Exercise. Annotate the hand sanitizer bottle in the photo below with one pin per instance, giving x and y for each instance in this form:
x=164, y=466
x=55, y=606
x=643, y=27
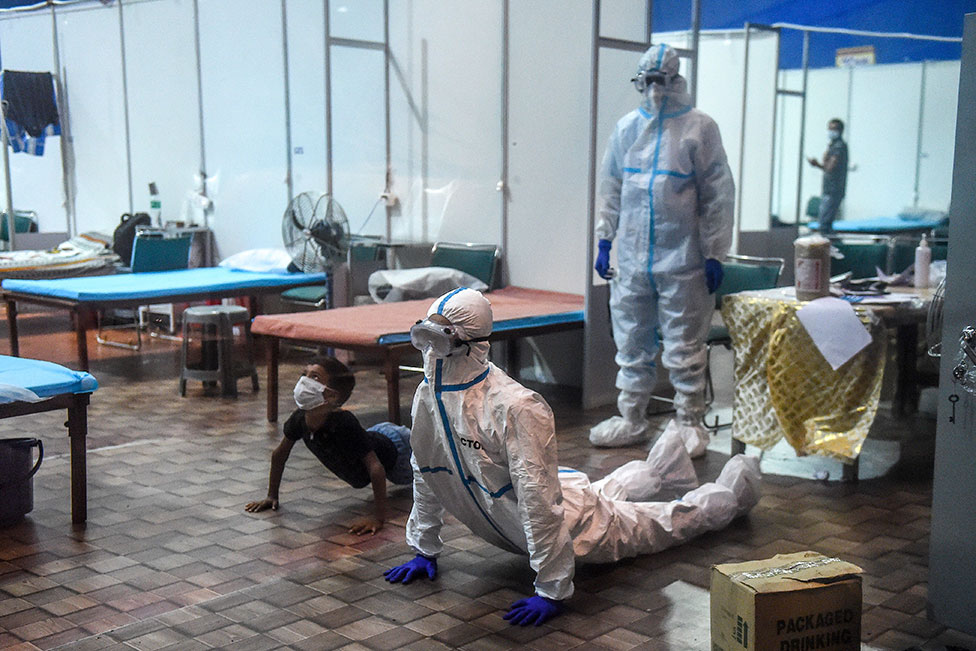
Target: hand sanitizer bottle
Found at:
x=923, y=262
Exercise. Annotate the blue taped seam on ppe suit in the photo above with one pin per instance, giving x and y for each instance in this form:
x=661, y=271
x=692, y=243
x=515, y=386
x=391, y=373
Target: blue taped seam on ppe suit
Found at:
x=484, y=449
x=667, y=199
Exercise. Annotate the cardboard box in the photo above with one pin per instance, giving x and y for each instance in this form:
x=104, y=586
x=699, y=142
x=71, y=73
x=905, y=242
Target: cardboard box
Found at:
x=791, y=602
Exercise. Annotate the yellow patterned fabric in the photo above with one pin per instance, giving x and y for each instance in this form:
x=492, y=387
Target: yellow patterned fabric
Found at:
x=785, y=388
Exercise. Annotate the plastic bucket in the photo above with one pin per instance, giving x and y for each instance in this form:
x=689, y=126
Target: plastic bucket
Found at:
x=16, y=473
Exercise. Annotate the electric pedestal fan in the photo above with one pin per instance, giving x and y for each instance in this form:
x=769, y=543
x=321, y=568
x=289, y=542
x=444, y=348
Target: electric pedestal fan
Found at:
x=316, y=235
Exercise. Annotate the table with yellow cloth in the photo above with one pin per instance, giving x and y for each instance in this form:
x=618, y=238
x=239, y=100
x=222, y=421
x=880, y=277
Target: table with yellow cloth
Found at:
x=785, y=388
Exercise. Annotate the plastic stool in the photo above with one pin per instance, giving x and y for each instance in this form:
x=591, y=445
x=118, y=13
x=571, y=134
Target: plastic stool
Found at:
x=217, y=345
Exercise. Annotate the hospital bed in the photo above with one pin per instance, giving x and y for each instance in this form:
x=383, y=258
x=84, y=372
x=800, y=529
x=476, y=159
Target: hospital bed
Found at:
x=62, y=388
x=86, y=254
x=887, y=225
x=385, y=329
x=84, y=296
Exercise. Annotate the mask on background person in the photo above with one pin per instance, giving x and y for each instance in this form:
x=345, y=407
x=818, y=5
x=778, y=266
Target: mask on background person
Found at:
x=308, y=393
x=833, y=135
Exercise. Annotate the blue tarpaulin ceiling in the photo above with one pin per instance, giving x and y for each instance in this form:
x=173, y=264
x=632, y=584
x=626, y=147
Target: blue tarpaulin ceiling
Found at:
x=927, y=17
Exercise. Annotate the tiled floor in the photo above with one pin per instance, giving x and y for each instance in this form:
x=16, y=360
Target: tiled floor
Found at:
x=169, y=558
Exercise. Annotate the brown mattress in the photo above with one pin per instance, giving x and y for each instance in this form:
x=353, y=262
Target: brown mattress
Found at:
x=363, y=325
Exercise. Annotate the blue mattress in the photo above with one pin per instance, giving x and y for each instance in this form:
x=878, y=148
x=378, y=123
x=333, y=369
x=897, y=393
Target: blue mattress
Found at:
x=46, y=379
x=162, y=283
x=882, y=225
x=502, y=326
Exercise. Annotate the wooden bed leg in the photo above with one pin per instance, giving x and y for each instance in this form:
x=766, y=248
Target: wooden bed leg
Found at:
x=511, y=358
x=81, y=332
x=906, y=384
x=77, y=433
x=273, y=349
x=12, y=325
x=392, y=371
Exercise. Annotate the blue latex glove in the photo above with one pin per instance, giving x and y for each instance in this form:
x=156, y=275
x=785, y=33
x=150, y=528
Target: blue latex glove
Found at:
x=534, y=610
x=713, y=274
x=602, y=265
x=410, y=570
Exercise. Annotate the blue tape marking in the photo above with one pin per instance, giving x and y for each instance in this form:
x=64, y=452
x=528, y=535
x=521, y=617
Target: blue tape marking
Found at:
x=656, y=171
x=466, y=385
x=430, y=470
x=633, y=170
x=465, y=481
x=680, y=175
x=440, y=308
x=501, y=491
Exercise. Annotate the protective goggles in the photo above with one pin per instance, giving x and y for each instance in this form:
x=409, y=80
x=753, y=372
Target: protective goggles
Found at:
x=645, y=78
x=441, y=340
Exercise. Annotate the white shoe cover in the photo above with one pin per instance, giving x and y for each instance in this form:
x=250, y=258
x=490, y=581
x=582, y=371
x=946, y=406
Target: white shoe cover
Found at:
x=694, y=436
x=669, y=460
x=741, y=475
x=616, y=432
x=666, y=473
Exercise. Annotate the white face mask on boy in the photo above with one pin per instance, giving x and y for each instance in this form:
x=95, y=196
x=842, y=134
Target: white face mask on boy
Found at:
x=308, y=393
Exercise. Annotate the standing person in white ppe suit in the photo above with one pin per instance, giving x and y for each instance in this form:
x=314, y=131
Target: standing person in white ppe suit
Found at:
x=484, y=450
x=666, y=195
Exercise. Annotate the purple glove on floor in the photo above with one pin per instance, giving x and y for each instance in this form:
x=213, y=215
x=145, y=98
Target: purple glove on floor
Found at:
x=407, y=572
x=533, y=610
x=713, y=274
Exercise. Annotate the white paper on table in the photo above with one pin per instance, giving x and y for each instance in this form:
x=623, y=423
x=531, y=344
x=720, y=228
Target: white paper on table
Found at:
x=835, y=329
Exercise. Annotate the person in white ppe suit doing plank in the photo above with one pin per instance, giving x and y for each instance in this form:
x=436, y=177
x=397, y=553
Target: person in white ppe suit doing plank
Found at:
x=484, y=450
x=666, y=195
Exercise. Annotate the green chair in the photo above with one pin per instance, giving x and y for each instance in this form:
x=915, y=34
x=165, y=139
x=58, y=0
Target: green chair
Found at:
x=151, y=251
x=862, y=256
x=813, y=207
x=25, y=221
x=742, y=273
x=365, y=252
x=479, y=260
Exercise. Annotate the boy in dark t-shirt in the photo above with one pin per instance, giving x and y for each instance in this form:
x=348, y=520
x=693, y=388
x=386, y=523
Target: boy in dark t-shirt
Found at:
x=356, y=456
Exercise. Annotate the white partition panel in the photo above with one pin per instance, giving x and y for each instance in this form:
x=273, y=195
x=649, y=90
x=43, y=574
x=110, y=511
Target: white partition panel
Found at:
x=548, y=144
x=306, y=80
x=786, y=162
x=938, y=134
x=164, y=123
x=882, y=139
x=359, y=141
x=26, y=43
x=92, y=76
x=622, y=19
x=361, y=20
x=753, y=182
x=450, y=56
x=244, y=116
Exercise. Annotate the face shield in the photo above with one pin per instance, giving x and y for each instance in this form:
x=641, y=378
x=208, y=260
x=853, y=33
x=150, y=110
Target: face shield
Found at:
x=645, y=78
x=657, y=66
x=441, y=340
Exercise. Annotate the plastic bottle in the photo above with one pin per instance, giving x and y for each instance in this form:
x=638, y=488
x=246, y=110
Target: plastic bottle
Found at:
x=155, y=205
x=923, y=263
x=812, y=270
